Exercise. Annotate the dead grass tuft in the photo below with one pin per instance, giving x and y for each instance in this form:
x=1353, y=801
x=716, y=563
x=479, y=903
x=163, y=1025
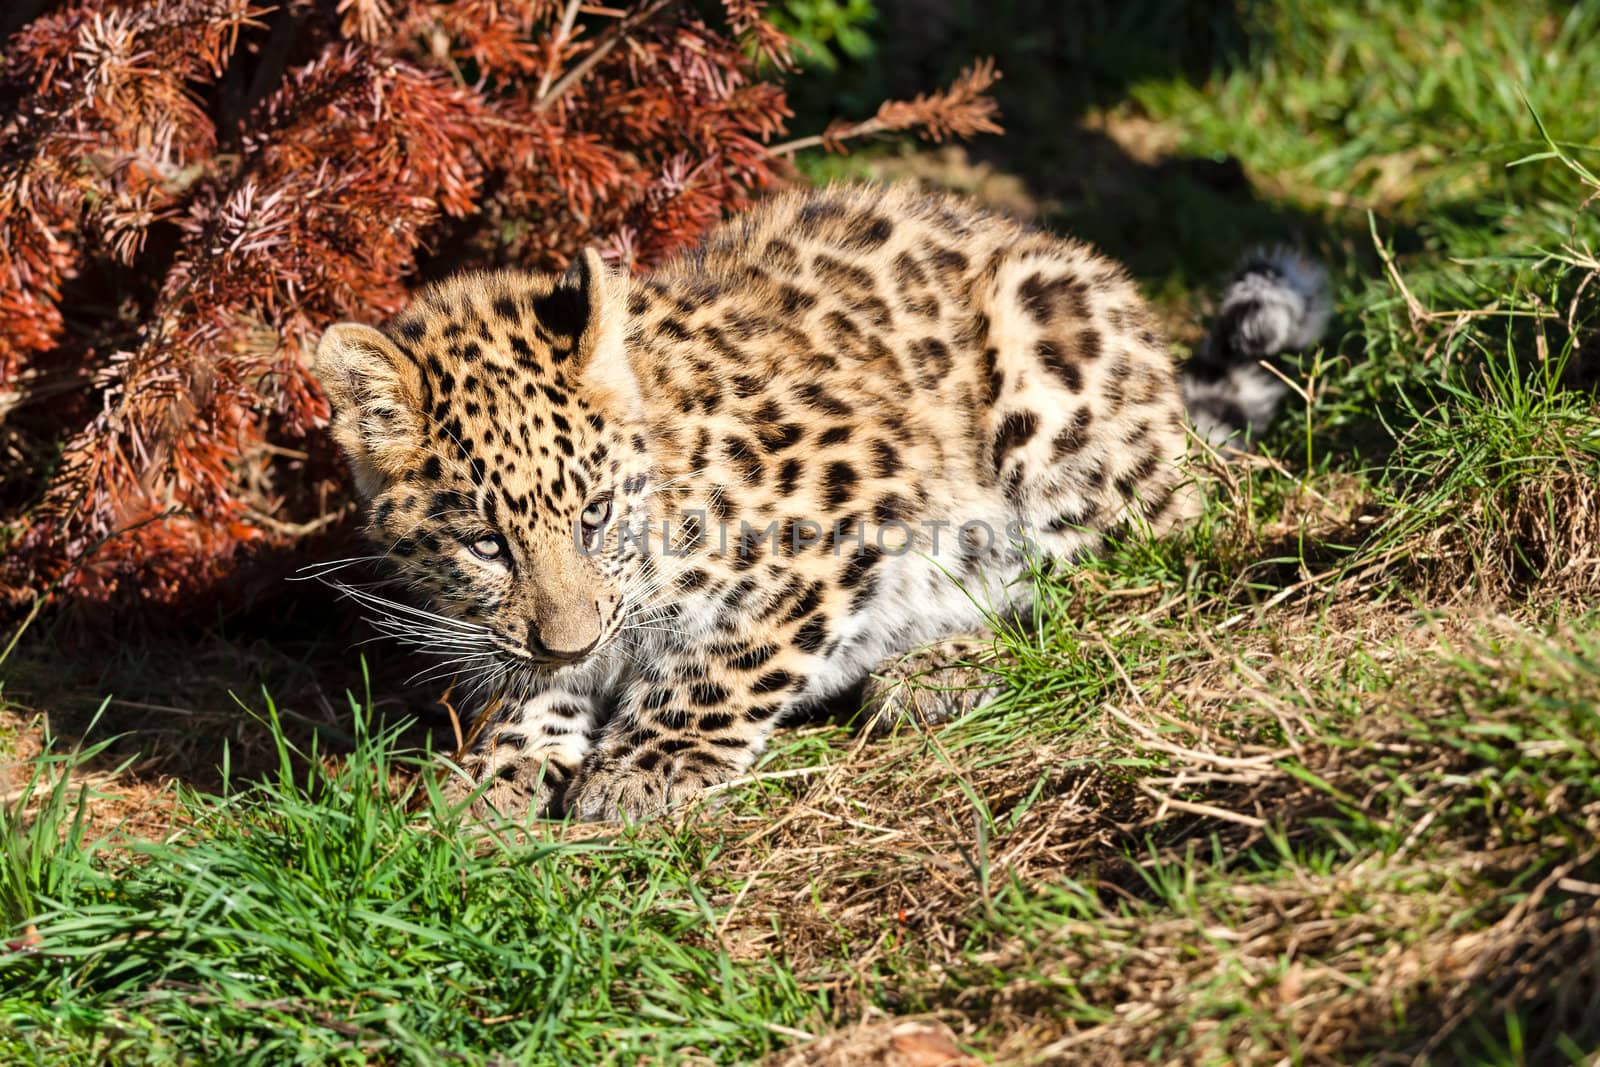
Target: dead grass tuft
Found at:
x=1536, y=539
x=885, y=1043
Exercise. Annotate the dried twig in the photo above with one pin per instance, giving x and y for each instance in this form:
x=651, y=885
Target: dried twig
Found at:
x=963, y=110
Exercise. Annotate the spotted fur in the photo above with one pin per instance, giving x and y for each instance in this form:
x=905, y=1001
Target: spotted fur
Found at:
x=896, y=399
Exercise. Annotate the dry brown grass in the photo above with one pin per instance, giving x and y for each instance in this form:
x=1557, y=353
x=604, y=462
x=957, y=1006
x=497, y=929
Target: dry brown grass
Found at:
x=870, y=883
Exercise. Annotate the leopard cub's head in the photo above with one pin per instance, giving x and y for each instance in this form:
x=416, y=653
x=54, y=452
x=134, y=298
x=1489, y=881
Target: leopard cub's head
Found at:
x=493, y=427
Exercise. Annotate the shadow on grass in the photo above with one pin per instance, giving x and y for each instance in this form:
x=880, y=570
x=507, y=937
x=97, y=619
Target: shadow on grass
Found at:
x=186, y=699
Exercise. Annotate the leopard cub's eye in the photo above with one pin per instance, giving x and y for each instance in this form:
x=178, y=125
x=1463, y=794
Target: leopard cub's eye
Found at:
x=596, y=512
x=492, y=547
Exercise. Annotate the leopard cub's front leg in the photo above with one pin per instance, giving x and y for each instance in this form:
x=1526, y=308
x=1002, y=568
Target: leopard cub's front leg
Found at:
x=692, y=720
x=528, y=754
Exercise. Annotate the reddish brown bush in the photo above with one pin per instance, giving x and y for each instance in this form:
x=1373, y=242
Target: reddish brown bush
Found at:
x=191, y=189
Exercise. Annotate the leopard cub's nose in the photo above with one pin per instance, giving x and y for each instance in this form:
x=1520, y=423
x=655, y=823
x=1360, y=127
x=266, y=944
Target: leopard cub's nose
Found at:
x=553, y=648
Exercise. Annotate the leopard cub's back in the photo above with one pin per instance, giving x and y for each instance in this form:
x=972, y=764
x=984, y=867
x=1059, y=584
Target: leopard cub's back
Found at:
x=923, y=343
x=888, y=363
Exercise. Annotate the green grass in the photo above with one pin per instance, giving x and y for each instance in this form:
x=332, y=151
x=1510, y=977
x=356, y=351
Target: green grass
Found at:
x=313, y=919
x=1315, y=781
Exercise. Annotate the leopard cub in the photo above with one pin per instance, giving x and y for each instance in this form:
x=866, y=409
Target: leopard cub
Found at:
x=652, y=517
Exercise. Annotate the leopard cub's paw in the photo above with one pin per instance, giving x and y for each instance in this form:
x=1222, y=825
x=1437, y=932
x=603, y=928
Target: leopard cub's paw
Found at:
x=644, y=784
x=930, y=686
x=613, y=790
x=516, y=788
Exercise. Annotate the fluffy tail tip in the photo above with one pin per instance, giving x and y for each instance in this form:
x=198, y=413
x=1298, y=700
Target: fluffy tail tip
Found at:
x=1279, y=301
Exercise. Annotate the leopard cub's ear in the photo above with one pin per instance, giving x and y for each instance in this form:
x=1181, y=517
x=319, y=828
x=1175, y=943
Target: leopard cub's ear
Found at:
x=375, y=390
x=601, y=347
x=588, y=280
